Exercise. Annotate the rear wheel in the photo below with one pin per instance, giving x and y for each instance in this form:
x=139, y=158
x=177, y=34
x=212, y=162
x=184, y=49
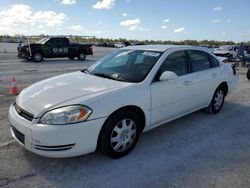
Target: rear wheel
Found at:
x=217, y=101
x=120, y=134
x=82, y=56
x=37, y=57
x=71, y=57
x=248, y=73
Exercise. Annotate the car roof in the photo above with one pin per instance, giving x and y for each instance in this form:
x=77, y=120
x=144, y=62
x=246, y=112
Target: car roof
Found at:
x=159, y=48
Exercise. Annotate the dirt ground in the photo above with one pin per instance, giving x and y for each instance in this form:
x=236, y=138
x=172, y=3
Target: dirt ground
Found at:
x=198, y=150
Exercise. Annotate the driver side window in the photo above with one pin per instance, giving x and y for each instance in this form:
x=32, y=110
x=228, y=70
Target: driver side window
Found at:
x=52, y=42
x=177, y=63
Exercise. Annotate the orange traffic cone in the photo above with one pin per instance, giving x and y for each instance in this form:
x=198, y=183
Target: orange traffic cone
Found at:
x=13, y=88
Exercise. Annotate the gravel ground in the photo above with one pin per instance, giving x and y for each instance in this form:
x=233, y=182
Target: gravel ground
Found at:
x=198, y=150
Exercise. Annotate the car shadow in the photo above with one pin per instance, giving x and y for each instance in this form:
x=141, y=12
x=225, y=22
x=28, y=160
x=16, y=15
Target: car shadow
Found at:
x=165, y=147
x=59, y=61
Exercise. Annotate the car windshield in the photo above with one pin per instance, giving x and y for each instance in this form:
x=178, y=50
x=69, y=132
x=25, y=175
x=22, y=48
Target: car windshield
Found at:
x=125, y=65
x=42, y=41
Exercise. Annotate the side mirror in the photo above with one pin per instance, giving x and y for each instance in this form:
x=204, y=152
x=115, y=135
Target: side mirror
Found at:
x=168, y=75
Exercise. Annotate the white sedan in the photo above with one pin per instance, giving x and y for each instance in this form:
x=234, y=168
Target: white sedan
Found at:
x=110, y=104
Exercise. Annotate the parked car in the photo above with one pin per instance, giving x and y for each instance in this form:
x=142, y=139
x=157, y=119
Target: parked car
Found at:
x=102, y=44
x=137, y=43
x=119, y=44
x=54, y=47
x=110, y=104
x=210, y=47
x=229, y=51
x=127, y=43
x=110, y=44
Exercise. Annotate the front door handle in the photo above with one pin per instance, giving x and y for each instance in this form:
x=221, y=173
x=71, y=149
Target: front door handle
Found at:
x=187, y=83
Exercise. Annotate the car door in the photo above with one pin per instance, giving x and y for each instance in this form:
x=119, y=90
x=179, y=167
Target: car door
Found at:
x=205, y=73
x=63, y=47
x=51, y=45
x=171, y=98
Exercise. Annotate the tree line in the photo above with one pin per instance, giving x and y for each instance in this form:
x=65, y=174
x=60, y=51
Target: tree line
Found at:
x=92, y=39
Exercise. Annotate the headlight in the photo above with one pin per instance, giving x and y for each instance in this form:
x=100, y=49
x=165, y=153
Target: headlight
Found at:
x=66, y=115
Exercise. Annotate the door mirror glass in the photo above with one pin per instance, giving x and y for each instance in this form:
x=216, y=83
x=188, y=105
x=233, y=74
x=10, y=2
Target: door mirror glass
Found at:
x=168, y=75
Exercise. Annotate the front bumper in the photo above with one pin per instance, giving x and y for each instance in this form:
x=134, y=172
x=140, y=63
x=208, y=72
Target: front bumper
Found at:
x=55, y=141
x=22, y=55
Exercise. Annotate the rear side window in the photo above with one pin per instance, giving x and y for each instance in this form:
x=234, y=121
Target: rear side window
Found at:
x=214, y=62
x=199, y=60
x=177, y=63
x=63, y=42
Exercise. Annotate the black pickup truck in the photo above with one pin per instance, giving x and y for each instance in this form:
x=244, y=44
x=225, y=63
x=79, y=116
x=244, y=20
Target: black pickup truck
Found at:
x=54, y=47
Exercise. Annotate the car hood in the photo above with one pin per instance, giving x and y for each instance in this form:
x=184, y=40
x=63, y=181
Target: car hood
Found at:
x=56, y=91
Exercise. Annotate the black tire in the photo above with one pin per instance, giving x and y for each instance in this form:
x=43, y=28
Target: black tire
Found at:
x=217, y=101
x=81, y=56
x=37, y=57
x=248, y=74
x=115, y=144
x=71, y=57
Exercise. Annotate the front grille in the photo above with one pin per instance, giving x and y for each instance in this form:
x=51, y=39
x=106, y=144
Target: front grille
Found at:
x=23, y=113
x=54, y=148
x=18, y=135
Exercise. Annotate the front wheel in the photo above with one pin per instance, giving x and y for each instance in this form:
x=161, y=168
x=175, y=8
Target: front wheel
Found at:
x=120, y=134
x=248, y=74
x=82, y=56
x=217, y=101
x=37, y=57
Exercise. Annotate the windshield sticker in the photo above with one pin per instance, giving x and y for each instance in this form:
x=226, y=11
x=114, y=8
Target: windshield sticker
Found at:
x=152, y=54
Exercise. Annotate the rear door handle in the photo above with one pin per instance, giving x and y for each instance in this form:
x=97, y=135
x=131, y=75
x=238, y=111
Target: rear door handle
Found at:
x=187, y=83
x=214, y=75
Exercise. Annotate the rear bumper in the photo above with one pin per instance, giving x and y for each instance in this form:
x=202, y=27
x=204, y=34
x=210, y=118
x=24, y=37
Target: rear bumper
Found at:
x=89, y=51
x=55, y=141
x=232, y=83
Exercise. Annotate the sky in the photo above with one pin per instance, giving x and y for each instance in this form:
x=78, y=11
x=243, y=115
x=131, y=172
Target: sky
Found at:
x=131, y=19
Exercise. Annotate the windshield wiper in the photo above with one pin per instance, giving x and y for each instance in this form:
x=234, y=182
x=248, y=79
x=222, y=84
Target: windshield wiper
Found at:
x=86, y=71
x=108, y=76
x=104, y=76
